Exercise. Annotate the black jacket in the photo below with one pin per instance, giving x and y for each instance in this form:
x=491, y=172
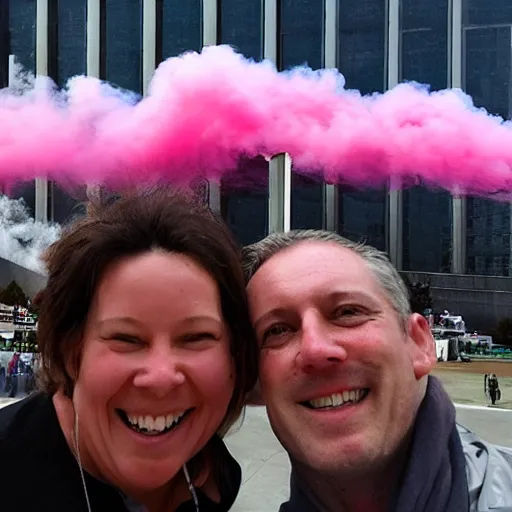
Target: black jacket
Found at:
x=38, y=472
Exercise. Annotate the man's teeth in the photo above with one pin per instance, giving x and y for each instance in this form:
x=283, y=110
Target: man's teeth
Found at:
x=337, y=399
x=154, y=423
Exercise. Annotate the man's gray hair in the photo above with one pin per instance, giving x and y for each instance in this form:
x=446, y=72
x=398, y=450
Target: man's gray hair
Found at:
x=255, y=255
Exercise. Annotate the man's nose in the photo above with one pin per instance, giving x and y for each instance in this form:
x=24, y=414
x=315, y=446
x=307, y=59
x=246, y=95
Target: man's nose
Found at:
x=161, y=372
x=320, y=348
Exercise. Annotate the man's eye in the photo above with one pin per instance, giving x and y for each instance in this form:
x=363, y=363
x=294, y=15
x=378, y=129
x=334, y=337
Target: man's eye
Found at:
x=275, y=330
x=347, y=311
x=350, y=314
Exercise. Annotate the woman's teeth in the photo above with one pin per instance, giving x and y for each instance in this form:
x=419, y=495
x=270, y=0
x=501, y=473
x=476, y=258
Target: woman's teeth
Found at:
x=152, y=425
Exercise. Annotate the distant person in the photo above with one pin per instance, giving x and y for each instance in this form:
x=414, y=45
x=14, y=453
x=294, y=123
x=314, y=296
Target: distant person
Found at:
x=12, y=375
x=147, y=353
x=492, y=387
x=344, y=373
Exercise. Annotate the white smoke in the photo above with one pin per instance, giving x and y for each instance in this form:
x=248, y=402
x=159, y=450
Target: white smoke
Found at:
x=22, y=239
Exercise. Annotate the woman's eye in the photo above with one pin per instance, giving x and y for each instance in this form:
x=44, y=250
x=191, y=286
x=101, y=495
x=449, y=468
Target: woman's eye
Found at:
x=125, y=338
x=200, y=336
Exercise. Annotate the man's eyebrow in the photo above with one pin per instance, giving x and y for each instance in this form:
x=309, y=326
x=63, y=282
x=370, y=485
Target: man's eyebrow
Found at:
x=353, y=295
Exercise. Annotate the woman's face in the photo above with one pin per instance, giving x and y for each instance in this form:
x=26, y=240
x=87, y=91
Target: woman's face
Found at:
x=156, y=373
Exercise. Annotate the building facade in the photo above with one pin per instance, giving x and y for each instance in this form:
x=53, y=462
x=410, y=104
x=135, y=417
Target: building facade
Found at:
x=376, y=44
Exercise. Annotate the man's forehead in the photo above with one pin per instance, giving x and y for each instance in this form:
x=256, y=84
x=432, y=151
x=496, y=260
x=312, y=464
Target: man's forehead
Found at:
x=315, y=257
x=311, y=265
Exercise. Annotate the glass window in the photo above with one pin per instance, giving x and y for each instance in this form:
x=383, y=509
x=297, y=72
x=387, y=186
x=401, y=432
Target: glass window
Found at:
x=362, y=216
x=487, y=12
x=487, y=77
x=67, y=58
x=245, y=192
x=424, y=45
x=244, y=200
x=22, y=32
x=362, y=61
x=487, y=68
x=427, y=214
x=427, y=230
x=241, y=26
x=488, y=240
x=122, y=45
x=25, y=191
x=307, y=202
x=19, y=18
x=65, y=205
x=70, y=40
x=4, y=44
x=302, y=43
x=180, y=26
x=362, y=44
x=301, y=31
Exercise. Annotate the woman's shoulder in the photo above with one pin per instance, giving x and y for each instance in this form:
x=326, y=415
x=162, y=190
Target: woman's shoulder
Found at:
x=16, y=419
x=36, y=462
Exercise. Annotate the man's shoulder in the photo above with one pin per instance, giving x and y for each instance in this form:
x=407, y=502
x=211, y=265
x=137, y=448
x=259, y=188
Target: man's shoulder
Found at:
x=489, y=472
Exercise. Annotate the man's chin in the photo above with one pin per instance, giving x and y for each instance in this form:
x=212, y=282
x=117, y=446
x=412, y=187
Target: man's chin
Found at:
x=336, y=465
x=327, y=456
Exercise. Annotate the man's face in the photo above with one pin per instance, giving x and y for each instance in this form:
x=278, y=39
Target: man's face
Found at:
x=339, y=373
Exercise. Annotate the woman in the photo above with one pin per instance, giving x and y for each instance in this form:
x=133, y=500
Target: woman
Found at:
x=146, y=357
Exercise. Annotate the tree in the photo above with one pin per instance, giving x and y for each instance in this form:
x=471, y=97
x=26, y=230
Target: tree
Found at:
x=13, y=295
x=420, y=296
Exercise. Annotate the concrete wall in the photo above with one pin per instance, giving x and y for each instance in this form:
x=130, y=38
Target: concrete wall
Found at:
x=483, y=301
x=29, y=281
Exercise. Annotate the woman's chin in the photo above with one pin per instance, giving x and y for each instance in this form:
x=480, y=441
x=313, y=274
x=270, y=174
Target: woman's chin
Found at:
x=146, y=476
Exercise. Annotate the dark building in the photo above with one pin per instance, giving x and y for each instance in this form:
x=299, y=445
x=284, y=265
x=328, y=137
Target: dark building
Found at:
x=375, y=43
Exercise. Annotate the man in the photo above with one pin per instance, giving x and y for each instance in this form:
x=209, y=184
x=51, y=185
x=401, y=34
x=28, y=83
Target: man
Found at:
x=345, y=378
x=492, y=387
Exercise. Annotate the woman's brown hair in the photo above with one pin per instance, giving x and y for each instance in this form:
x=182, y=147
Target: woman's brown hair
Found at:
x=157, y=219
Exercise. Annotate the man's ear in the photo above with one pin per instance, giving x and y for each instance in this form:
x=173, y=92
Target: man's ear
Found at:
x=255, y=396
x=423, y=349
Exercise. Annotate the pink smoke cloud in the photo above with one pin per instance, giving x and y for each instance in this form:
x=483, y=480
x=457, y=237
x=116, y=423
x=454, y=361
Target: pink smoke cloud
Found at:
x=206, y=111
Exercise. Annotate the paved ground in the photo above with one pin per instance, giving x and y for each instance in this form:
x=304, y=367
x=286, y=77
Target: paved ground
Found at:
x=465, y=381
x=501, y=368
x=6, y=401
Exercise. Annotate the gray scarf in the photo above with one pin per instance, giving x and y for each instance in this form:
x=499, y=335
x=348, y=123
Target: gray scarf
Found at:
x=435, y=477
